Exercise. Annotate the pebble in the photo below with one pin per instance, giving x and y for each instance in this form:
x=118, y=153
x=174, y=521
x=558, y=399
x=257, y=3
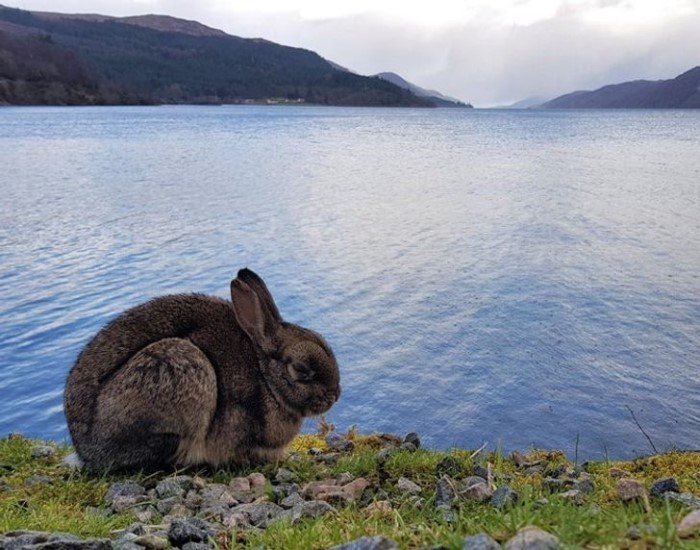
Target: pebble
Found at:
x=413, y=439
x=630, y=489
x=309, y=509
x=43, y=451
x=196, y=546
x=585, y=485
x=291, y=500
x=405, y=485
x=174, y=486
x=152, y=542
x=481, y=541
x=445, y=491
x=532, y=538
x=478, y=492
x=687, y=499
x=664, y=485
x=285, y=476
x=368, y=543
x=259, y=514
x=126, y=488
x=182, y=531
x=27, y=540
x=690, y=524
x=37, y=479
x=504, y=496
x=637, y=532
x=338, y=442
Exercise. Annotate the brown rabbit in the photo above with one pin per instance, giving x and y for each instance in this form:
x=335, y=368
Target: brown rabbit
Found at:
x=191, y=380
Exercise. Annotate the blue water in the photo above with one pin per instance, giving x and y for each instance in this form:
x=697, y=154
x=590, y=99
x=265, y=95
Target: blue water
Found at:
x=484, y=276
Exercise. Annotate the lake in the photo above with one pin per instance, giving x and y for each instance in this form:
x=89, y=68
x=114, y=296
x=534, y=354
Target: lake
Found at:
x=516, y=278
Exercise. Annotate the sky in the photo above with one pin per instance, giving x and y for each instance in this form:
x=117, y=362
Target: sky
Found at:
x=487, y=52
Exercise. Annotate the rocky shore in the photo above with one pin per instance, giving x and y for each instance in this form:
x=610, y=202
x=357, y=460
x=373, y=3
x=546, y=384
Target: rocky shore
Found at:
x=353, y=492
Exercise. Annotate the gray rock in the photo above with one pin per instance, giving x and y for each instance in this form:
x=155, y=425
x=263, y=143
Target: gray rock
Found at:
x=408, y=446
x=504, y=496
x=259, y=514
x=152, y=542
x=122, y=544
x=286, y=476
x=478, y=492
x=90, y=544
x=630, y=489
x=338, y=442
x=328, y=458
x=585, y=486
x=384, y=453
x=182, y=531
x=217, y=494
x=481, y=471
x=445, y=491
x=164, y=506
x=43, y=451
x=687, y=499
x=308, y=509
x=637, y=532
x=214, y=513
x=664, y=485
x=405, y=485
x=37, y=479
x=196, y=546
x=119, y=504
x=472, y=480
x=35, y=540
x=344, y=478
x=72, y=461
x=145, y=515
x=126, y=488
x=690, y=524
x=291, y=500
x=532, y=538
x=369, y=543
x=136, y=528
x=413, y=439
x=174, y=486
x=480, y=542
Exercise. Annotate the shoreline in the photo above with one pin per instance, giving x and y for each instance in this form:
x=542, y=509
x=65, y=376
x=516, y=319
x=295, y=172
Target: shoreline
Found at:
x=334, y=488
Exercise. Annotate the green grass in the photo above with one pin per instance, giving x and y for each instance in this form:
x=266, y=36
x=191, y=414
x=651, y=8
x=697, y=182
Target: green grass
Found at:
x=601, y=521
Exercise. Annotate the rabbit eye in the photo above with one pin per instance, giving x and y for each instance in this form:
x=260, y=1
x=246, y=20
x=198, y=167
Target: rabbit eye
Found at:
x=303, y=373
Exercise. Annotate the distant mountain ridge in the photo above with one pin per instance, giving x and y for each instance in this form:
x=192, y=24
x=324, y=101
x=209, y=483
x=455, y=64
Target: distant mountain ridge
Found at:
x=681, y=92
x=436, y=97
x=78, y=59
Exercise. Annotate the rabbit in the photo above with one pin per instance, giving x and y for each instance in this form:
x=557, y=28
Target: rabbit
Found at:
x=193, y=380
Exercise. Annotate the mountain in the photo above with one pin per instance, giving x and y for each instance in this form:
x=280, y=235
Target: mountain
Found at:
x=682, y=92
x=75, y=59
x=527, y=103
x=438, y=99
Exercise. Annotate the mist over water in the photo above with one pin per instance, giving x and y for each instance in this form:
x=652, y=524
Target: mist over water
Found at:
x=483, y=276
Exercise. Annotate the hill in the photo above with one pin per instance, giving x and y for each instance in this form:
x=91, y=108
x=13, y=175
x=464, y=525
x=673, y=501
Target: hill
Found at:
x=438, y=99
x=50, y=58
x=682, y=92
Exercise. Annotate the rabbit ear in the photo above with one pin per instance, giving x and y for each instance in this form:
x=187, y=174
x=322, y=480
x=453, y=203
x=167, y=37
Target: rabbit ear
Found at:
x=260, y=288
x=250, y=314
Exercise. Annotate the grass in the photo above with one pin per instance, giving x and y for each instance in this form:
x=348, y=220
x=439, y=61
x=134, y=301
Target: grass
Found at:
x=602, y=521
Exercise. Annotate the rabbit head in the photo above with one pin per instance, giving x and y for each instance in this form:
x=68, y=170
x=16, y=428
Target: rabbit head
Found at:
x=298, y=365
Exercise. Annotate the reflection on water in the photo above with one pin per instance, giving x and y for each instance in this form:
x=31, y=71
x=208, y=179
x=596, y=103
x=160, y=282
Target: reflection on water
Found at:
x=493, y=276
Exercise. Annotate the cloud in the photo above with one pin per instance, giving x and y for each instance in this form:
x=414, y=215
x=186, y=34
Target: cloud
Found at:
x=484, y=52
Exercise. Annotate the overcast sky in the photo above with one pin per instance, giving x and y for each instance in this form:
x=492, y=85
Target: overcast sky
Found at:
x=488, y=52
